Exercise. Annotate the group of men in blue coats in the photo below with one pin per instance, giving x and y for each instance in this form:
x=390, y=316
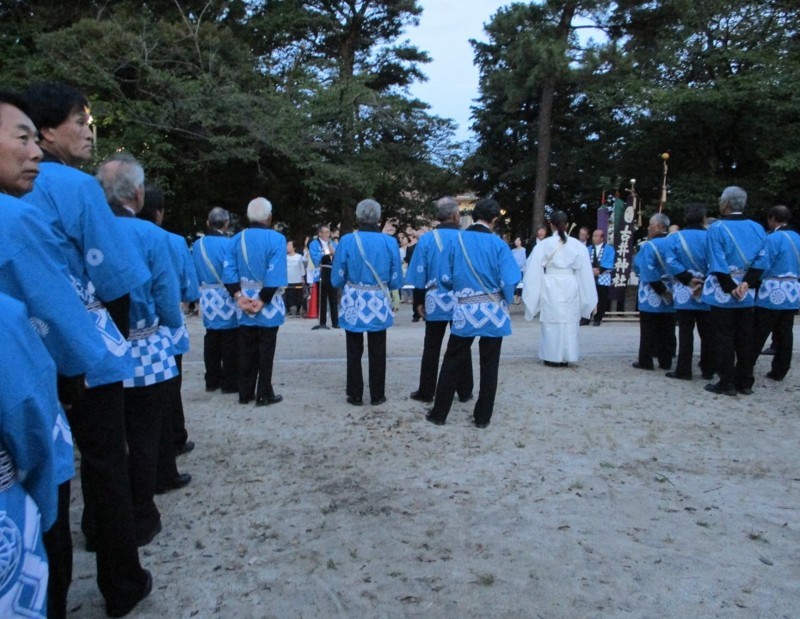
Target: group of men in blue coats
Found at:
x=92, y=327
x=731, y=280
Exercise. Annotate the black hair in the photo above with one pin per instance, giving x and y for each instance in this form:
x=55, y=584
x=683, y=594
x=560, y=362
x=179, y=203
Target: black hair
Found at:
x=780, y=213
x=694, y=213
x=486, y=210
x=559, y=219
x=153, y=203
x=51, y=103
x=14, y=100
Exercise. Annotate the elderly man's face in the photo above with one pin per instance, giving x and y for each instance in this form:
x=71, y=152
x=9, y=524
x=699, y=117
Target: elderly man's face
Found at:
x=597, y=237
x=19, y=153
x=72, y=140
x=324, y=233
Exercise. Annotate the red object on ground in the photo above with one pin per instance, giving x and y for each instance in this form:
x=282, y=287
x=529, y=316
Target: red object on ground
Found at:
x=313, y=303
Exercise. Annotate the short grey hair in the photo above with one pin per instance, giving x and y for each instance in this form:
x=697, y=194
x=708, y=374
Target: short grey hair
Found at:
x=368, y=212
x=259, y=209
x=446, y=208
x=218, y=217
x=735, y=197
x=660, y=219
x=121, y=176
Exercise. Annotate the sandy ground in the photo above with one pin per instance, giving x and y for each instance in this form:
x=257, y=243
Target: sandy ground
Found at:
x=597, y=491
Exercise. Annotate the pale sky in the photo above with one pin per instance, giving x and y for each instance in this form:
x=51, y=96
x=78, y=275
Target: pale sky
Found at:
x=444, y=31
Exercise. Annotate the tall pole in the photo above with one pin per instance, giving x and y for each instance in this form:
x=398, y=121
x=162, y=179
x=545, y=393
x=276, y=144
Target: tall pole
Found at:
x=663, y=201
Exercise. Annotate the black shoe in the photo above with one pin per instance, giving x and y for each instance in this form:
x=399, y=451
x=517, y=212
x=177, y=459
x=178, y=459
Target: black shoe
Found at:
x=320, y=327
x=211, y=389
x=270, y=399
x=431, y=419
x=584, y=322
x=773, y=376
x=718, y=389
x=354, y=400
x=678, y=376
x=415, y=319
x=336, y=326
x=245, y=400
x=377, y=401
x=185, y=448
x=181, y=481
x=465, y=398
x=120, y=610
x=744, y=390
x=482, y=425
x=146, y=539
x=415, y=395
x=639, y=366
x=552, y=364
x=708, y=375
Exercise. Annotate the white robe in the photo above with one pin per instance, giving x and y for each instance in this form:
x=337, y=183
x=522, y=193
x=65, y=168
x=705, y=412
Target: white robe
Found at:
x=561, y=295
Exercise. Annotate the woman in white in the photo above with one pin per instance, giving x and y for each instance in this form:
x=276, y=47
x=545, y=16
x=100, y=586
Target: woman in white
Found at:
x=559, y=287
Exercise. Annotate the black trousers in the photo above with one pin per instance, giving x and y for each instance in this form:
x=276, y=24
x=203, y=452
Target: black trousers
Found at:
x=221, y=356
x=98, y=427
x=429, y=368
x=146, y=416
x=58, y=544
x=779, y=323
x=602, y=302
x=454, y=364
x=256, y=357
x=687, y=321
x=173, y=430
x=376, y=341
x=328, y=296
x=656, y=339
x=293, y=298
x=732, y=333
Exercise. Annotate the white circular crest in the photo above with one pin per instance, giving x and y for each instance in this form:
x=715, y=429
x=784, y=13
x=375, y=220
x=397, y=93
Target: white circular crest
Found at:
x=94, y=257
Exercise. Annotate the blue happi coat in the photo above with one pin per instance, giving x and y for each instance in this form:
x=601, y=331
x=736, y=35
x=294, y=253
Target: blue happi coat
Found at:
x=686, y=252
x=28, y=487
x=650, y=265
x=189, y=289
x=33, y=272
x=481, y=301
x=102, y=263
x=605, y=259
x=364, y=305
x=429, y=263
x=218, y=308
x=316, y=252
x=779, y=259
x=731, y=247
x=153, y=305
x=256, y=260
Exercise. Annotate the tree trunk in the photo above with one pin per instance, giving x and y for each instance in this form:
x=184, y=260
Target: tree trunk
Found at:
x=546, y=119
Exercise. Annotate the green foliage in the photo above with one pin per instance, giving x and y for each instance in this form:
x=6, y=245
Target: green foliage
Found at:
x=303, y=102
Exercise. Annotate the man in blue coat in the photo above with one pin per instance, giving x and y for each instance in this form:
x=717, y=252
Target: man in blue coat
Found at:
x=219, y=310
x=687, y=264
x=602, y=256
x=255, y=274
x=367, y=268
x=656, y=308
x=732, y=245
x=775, y=272
x=482, y=274
x=428, y=264
x=154, y=305
x=104, y=268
